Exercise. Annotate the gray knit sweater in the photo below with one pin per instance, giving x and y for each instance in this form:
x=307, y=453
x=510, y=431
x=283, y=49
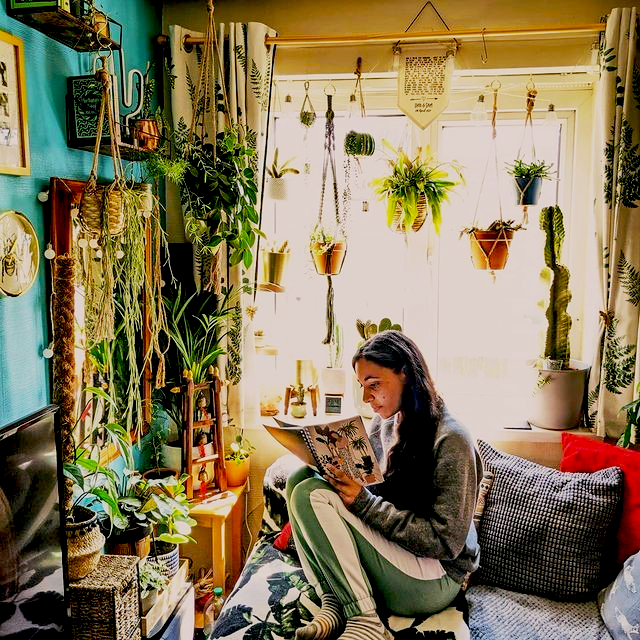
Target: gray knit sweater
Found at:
x=444, y=530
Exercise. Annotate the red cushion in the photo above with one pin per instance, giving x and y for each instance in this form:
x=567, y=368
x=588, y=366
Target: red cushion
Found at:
x=583, y=454
x=283, y=538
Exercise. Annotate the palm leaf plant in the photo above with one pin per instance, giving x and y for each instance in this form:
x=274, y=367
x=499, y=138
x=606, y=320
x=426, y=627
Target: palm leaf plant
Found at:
x=414, y=185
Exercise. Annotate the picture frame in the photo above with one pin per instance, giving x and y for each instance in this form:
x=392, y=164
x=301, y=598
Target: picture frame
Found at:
x=14, y=131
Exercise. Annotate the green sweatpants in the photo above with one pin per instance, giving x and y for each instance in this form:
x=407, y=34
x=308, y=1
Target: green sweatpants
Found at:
x=342, y=555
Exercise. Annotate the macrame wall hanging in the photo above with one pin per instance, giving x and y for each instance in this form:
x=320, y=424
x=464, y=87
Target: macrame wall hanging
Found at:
x=328, y=243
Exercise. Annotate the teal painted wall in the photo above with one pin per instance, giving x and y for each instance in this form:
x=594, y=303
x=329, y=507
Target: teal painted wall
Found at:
x=24, y=373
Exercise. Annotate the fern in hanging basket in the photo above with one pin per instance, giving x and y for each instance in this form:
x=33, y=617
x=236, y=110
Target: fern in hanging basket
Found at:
x=413, y=186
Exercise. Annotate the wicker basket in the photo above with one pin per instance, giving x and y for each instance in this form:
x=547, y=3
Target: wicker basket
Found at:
x=398, y=224
x=106, y=604
x=98, y=201
x=84, y=543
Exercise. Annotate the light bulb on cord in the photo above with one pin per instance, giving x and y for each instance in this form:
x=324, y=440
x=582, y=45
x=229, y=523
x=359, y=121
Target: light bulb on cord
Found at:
x=552, y=116
x=396, y=58
x=479, y=111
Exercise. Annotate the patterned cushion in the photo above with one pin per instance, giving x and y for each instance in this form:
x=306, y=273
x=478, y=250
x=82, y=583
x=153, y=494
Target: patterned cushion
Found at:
x=272, y=598
x=620, y=601
x=545, y=532
x=274, y=484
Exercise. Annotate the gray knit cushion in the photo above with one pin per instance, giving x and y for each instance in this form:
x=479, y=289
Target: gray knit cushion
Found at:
x=546, y=532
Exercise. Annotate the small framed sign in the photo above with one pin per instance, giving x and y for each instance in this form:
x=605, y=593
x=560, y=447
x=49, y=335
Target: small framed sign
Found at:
x=332, y=403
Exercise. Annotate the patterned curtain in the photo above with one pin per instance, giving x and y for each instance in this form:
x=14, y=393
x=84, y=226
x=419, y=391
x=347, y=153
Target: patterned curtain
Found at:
x=615, y=373
x=247, y=64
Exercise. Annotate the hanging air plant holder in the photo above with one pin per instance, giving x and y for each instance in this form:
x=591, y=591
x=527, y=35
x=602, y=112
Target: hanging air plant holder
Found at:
x=307, y=112
x=490, y=246
x=328, y=246
x=102, y=207
x=358, y=144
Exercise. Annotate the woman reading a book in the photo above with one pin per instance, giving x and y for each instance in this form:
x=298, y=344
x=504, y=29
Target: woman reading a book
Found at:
x=407, y=544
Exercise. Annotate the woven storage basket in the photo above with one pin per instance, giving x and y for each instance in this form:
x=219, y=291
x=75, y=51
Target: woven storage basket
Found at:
x=398, y=224
x=99, y=200
x=84, y=543
x=106, y=604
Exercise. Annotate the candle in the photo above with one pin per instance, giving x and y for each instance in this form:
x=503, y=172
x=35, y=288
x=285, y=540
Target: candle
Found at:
x=298, y=371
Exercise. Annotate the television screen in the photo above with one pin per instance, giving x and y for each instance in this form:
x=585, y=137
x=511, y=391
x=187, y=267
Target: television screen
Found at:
x=31, y=575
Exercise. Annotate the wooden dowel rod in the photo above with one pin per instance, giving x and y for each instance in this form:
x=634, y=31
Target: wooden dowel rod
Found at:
x=429, y=36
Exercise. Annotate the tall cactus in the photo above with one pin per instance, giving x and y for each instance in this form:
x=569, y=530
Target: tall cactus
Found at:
x=557, y=276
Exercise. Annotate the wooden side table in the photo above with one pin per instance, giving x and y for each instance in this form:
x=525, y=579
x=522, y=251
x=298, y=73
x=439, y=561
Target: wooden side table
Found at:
x=222, y=518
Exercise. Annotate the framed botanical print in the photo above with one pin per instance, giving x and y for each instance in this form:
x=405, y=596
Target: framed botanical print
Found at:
x=14, y=133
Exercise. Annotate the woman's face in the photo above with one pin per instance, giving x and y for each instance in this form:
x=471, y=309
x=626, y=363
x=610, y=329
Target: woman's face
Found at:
x=381, y=387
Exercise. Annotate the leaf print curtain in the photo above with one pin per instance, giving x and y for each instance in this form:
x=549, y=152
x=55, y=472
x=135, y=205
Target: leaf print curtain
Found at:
x=247, y=64
x=615, y=373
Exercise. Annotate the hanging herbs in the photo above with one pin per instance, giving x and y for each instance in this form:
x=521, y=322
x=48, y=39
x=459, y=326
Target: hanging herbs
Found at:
x=307, y=113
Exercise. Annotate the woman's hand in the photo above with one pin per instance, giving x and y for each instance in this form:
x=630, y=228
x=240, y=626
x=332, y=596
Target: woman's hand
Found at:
x=347, y=488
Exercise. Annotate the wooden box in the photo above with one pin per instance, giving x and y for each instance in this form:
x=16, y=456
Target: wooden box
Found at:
x=105, y=605
x=166, y=602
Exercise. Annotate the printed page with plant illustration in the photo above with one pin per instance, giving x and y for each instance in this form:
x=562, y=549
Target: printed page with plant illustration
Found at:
x=343, y=443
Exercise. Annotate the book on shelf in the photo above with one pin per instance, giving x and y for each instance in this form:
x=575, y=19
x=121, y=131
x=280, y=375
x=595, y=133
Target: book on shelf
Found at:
x=341, y=442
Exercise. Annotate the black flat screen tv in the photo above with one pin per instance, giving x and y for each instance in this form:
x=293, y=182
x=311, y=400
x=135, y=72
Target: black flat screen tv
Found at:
x=32, y=603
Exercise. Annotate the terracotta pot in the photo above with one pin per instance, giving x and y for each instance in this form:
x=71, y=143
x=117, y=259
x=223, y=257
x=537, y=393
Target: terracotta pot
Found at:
x=84, y=543
x=397, y=224
x=237, y=471
x=490, y=249
x=146, y=133
x=328, y=262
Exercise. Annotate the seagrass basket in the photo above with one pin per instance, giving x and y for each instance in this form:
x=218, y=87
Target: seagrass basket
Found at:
x=398, y=224
x=106, y=604
x=102, y=207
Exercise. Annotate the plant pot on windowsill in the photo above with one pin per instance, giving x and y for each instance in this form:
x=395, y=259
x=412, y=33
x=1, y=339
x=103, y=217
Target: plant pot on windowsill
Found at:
x=237, y=471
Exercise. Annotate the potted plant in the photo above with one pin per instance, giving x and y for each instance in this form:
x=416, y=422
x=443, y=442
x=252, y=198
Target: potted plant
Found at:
x=328, y=250
x=277, y=181
x=490, y=246
x=151, y=581
x=359, y=144
x=146, y=129
x=415, y=186
x=237, y=460
x=93, y=484
x=559, y=397
x=274, y=260
x=528, y=177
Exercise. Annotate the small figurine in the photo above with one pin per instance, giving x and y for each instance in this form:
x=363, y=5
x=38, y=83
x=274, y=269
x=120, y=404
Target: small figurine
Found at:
x=202, y=408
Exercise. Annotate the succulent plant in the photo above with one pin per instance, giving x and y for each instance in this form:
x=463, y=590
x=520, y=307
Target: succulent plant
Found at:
x=368, y=329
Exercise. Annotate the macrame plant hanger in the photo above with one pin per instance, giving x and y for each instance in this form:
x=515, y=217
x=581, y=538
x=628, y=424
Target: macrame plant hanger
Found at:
x=487, y=249
x=205, y=102
x=332, y=247
x=532, y=92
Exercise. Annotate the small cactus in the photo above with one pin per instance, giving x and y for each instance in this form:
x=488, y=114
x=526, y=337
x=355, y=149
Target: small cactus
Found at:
x=557, y=345
x=369, y=329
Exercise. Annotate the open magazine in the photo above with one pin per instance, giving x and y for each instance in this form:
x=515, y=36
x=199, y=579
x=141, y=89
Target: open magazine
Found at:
x=343, y=443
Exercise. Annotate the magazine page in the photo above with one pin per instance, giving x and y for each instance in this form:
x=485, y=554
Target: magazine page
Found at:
x=345, y=444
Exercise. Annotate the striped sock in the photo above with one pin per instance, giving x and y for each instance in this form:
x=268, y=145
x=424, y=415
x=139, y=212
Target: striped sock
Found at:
x=325, y=623
x=366, y=626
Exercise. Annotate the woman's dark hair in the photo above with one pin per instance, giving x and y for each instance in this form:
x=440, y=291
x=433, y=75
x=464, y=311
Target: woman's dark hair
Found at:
x=422, y=406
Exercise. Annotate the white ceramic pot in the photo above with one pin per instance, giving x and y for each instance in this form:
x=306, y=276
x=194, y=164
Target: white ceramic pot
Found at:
x=333, y=381
x=277, y=188
x=558, y=399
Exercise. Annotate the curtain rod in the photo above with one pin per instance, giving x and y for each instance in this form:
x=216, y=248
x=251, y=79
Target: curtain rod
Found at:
x=381, y=38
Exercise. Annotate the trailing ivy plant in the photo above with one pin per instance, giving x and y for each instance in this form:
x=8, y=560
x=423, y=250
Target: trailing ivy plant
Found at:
x=219, y=192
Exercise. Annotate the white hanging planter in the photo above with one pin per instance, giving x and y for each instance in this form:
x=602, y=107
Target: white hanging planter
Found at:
x=277, y=188
x=558, y=400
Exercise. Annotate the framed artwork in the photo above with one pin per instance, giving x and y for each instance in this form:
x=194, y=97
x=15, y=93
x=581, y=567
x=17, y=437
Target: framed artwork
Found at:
x=14, y=133
x=19, y=254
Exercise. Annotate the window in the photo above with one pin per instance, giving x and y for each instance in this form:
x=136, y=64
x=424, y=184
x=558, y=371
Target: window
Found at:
x=477, y=332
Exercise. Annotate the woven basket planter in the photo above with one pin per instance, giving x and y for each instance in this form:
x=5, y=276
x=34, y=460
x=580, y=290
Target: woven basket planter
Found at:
x=84, y=543
x=423, y=210
x=98, y=201
x=328, y=262
x=490, y=249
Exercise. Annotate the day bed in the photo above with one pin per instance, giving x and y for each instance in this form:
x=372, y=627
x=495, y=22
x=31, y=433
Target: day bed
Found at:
x=547, y=550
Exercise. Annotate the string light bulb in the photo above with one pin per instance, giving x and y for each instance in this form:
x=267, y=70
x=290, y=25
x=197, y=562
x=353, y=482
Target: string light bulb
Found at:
x=396, y=58
x=552, y=116
x=49, y=253
x=47, y=352
x=479, y=111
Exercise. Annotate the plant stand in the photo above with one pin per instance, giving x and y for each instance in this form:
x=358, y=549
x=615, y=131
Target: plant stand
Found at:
x=207, y=420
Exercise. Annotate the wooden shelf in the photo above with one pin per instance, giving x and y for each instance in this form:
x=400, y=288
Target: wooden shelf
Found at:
x=66, y=28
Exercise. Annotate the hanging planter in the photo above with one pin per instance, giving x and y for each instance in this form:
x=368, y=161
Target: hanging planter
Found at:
x=527, y=180
x=397, y=224
x=328, y=253
x=277, y=183
x=490, y=247
x=274, y=262
x=307, y=113
x=359, y=144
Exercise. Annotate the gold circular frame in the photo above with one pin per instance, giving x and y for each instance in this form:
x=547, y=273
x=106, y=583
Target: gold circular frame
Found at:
x=19, y=254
